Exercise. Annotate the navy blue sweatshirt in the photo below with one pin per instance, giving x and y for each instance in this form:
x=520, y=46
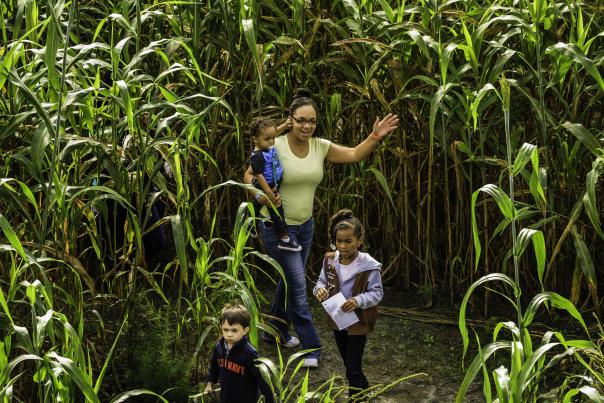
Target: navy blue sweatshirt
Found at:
x=240, y=379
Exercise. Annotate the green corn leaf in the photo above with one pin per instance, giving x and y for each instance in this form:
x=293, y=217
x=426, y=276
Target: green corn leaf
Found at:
x=40, y=329
x=125, y=396
x=180, y=244
x=477, y=99
x=509, y=325
x=523, y=238
x=589, y=199
x=53, y=40
x=4, y=306
x=250, y=38
x=505, y=206
x=75, y=374
x=37, y=104
x=501, y=377
x=523, y=156
x=571, y=50
x=270, y=373
x=127, y=101
x=591, y=393
x=99, y=380
x=436, y=104
x=530, y=370
x=121, y=21
x=19, y=359
x=352, y=7
x=468, y=47
x=462, y=310
x=444, y=62
x=304, y=389
x=12, y=237
x=23, y=338
x=585, y=262
x=105, y=192
x=517, y=357
x=486, y=381
x=422, y=41
x=557, y=301
x=585, y=137
x=387, y=10
x=476, y=365
x=169, y=95
x=383, y=183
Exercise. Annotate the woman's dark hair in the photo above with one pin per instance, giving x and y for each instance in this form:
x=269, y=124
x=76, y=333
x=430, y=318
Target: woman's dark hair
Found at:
x=345, y=219
x=235, y=314
x=302, y=97
x=259, y=124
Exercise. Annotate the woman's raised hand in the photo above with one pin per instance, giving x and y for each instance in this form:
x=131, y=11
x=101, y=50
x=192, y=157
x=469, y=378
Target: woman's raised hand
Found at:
x=382, y=127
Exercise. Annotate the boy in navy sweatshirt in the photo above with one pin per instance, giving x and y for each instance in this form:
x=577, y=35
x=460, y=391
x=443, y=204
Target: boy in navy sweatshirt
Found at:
x=233, y=360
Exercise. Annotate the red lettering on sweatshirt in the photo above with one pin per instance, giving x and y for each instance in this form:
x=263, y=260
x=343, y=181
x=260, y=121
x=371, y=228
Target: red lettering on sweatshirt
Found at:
x=231, y=366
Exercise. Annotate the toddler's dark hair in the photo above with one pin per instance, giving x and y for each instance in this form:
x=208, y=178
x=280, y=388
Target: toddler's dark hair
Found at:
x=258, y=124
x=236, y=314
x=302, y=97
x=345, y=219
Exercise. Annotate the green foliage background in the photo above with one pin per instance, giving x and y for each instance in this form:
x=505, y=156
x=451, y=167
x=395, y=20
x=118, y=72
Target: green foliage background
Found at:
x=135, y=102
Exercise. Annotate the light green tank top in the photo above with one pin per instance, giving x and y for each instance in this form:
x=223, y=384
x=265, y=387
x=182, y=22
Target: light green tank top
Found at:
x=301, y=176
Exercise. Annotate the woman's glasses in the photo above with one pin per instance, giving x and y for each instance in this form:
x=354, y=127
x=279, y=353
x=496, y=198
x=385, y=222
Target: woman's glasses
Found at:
x=302, y=121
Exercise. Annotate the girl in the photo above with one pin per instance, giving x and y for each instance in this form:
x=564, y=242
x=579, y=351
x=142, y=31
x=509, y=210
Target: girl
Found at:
x=357, y=276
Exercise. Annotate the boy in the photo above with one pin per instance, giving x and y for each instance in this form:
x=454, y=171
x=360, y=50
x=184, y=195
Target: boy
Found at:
x=267, y=171
x=233, y=359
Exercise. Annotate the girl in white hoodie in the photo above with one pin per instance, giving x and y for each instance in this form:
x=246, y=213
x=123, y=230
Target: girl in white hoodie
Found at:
x=357, y=275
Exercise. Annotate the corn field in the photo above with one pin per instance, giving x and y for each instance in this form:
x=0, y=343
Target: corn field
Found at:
x=123, y=145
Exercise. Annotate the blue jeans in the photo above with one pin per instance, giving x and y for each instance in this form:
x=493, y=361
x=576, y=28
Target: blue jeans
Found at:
x=297, y=311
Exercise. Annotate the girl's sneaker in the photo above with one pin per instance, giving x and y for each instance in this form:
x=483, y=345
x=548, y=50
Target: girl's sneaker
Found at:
x=292, y=245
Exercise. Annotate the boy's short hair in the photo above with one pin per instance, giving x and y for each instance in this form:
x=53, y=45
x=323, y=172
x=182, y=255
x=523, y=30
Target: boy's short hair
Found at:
x=235, y=314
x=260, y=123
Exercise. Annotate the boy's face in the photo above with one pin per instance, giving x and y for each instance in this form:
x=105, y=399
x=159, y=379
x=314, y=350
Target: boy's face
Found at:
x=233, y=333
x=266, y=138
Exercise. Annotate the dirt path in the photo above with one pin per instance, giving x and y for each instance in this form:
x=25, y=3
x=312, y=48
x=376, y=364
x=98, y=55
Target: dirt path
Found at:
x=397, y=348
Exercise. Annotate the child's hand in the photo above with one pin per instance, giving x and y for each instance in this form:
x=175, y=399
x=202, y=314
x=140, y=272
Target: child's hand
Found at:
x=322, y=294
x=209, y=388
x=350, y=305
x=275, y=198
x=287, y=125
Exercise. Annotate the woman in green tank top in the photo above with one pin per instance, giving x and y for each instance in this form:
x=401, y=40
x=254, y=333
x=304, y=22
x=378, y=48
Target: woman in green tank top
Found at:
x=302, y=157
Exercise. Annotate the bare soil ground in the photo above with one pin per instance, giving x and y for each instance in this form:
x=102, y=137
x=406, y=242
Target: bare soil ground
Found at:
x=398, y=348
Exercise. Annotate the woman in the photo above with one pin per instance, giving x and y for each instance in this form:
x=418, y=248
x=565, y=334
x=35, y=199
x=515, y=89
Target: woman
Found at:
x=302, y=158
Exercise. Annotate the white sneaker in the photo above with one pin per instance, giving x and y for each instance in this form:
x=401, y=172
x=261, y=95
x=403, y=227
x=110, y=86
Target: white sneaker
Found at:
x=310, y=362
x=292, y=342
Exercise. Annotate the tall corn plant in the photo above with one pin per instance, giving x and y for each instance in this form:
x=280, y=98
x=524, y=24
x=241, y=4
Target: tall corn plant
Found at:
x=521, y=380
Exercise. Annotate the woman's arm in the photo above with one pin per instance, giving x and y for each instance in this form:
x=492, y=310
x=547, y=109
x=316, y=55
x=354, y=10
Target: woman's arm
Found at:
x=340, y=154
x=248, y=177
